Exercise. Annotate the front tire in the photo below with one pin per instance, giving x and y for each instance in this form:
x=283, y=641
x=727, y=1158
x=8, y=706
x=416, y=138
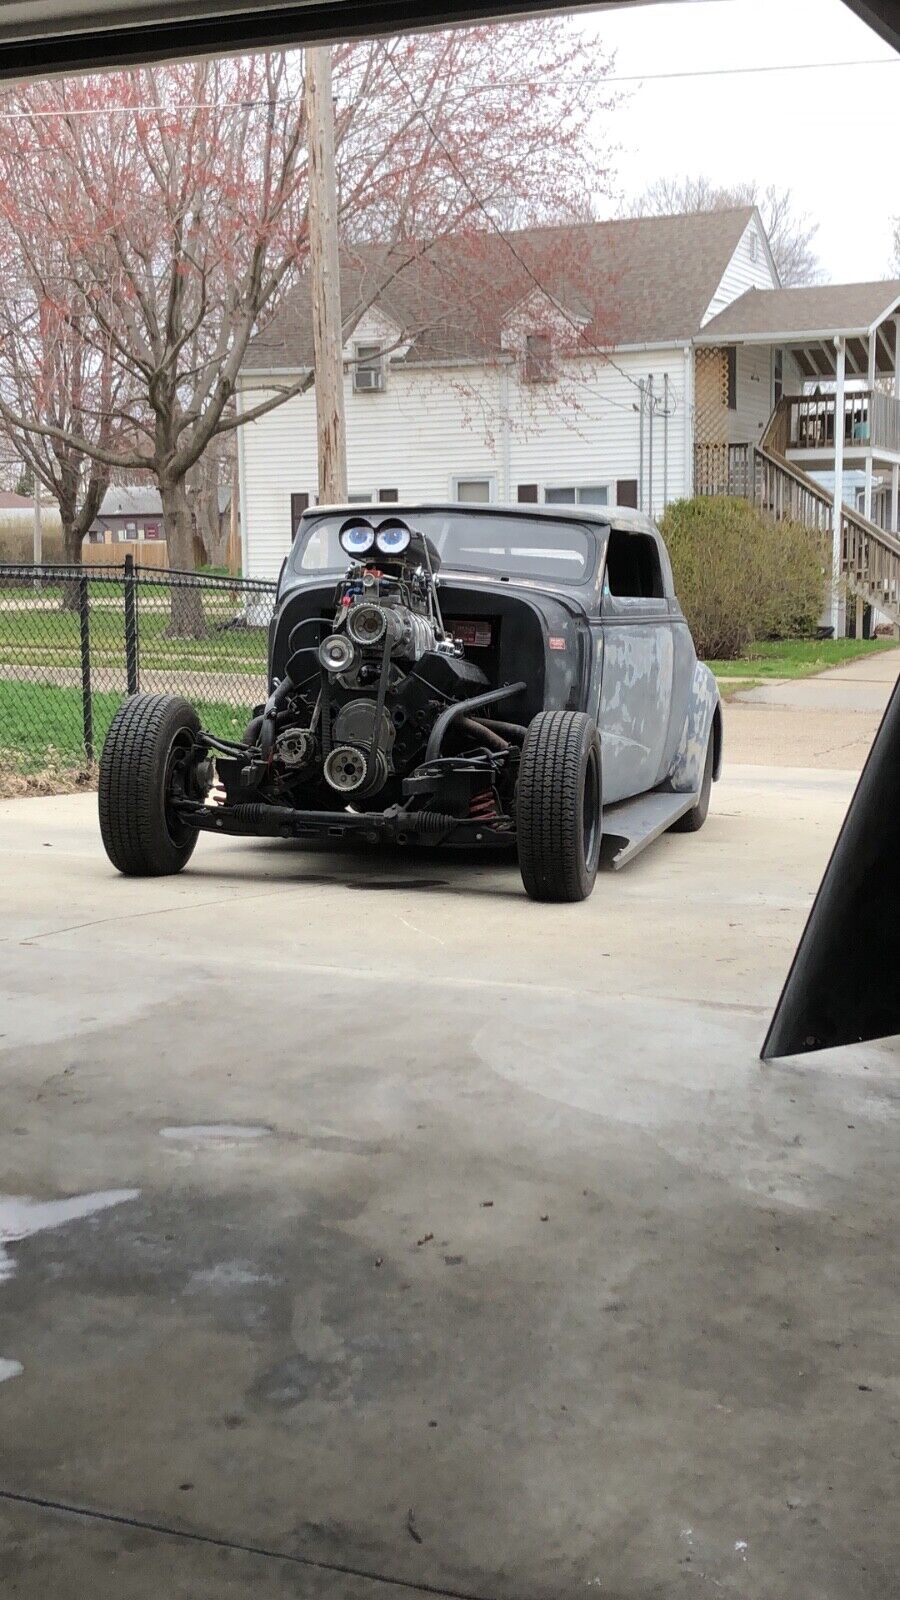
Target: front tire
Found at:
x=149, y=736
x=559, y=806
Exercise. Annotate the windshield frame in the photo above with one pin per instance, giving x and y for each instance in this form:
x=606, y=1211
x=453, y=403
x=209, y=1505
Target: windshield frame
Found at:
x=593, y=528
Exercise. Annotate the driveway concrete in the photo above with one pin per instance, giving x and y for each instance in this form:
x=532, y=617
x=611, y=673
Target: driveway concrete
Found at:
x=420, y=1239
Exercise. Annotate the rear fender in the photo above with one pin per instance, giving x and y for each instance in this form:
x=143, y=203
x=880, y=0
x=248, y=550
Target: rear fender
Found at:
x=702, y=720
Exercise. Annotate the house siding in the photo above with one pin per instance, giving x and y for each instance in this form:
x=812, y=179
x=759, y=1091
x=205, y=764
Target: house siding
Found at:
x=754, y=394
x=433, y=425
x=743, y=272
x=589, y=432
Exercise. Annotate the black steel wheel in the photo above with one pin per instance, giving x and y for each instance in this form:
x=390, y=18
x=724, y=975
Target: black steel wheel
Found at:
x=693, y=820
x=559, y=801
x=145, y=761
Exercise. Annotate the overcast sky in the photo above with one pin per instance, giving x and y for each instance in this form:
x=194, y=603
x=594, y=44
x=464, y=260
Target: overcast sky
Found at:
x=833, y=136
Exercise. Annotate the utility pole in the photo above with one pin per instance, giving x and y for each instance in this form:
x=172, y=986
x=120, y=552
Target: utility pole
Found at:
x=651, y=402
x=837, y=544
x=38, y=540
x=325, y=279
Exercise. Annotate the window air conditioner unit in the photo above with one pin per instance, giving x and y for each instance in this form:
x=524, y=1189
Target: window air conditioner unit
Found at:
x=368, y=380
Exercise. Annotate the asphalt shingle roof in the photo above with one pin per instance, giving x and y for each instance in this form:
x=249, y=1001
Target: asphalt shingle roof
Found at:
x=131, y=501
x=632, y=281
x=827, y=307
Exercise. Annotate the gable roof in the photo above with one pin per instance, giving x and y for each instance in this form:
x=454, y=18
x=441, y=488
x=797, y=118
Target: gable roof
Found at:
x=786, y=314
x=131, y=501
x=142, y=500
x=644, y=280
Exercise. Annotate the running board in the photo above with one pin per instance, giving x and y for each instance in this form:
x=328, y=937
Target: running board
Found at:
x=633, y=824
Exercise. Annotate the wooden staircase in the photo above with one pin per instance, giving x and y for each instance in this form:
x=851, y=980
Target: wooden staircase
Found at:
x=869, y=558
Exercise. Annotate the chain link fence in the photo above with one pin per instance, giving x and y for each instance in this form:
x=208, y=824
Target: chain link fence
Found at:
x=74, y=641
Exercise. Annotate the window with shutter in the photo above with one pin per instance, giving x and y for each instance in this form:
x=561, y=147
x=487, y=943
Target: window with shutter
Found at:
x=527, y=493
x=627, y=492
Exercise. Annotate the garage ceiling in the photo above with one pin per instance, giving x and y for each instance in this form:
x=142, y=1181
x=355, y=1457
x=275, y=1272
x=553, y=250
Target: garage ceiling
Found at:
x=45, y=36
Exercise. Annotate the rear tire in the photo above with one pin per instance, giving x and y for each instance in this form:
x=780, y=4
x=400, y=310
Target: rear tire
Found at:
x=559, y=806
x=141, y=836
x=693, y=820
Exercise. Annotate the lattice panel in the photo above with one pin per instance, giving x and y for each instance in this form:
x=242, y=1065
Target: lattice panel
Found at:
x=710, y=397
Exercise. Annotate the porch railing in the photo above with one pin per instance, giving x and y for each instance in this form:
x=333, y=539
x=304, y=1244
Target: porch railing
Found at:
x=870, y=419
x=724, y=469
x=870, y=557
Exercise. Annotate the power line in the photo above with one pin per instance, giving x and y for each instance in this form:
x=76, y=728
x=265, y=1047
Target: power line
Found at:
x=732, y=72
x=497, y=87
x=65, y=112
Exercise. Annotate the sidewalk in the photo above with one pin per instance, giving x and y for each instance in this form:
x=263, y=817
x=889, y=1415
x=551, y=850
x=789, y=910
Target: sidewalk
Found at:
x=856, y=686
x=826, y=721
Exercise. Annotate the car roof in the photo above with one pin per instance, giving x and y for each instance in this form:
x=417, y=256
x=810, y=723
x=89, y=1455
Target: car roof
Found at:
x=613, y=516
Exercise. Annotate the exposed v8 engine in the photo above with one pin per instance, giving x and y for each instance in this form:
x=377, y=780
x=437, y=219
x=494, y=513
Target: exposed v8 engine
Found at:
x=354, y=712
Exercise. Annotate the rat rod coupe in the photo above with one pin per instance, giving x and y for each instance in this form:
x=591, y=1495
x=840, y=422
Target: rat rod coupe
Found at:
x=445, y=674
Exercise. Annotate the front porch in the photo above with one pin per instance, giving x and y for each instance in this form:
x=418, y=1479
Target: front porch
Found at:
x=829, y=454
x=868, y=420
x=834, y=352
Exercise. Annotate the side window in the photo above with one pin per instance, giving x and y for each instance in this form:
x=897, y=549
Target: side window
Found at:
x=538, y=358
x=476, y=491
x=633, y=568
x=368, y=372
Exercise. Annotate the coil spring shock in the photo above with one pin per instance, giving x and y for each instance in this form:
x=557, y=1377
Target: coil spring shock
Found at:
x=483, y=806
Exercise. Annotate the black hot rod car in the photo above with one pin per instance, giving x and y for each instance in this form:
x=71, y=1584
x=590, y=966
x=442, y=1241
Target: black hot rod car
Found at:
x=445, y=674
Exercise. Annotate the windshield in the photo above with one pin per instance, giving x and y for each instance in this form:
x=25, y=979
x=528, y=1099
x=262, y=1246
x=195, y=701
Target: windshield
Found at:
x=507, y=546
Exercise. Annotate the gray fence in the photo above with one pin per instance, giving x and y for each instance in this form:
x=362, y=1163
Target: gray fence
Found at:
x=74, y=641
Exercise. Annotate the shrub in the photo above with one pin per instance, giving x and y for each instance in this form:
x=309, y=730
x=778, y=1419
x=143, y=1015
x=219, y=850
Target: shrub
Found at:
x=740, y=576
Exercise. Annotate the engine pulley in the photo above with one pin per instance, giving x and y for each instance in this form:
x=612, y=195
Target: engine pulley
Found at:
x=355, y=724
x=345, y=769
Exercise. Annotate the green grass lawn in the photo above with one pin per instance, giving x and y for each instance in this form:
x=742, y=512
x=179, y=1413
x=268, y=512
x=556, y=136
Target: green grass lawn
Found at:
x=34, y=636
x=41, y=727
x=797, y=658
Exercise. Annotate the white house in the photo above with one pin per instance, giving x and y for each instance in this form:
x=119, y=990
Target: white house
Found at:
x=628, y=362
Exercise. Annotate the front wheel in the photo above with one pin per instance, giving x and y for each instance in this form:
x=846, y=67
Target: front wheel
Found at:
x=146, y=761
x=559, y=806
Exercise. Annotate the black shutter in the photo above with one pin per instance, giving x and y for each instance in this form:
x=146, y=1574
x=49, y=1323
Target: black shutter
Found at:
x=527, y=493
x=731, y=354
x=627, y=492
x=388, y=496
x=299, y=504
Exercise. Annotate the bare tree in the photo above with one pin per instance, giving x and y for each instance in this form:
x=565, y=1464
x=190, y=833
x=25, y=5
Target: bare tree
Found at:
x=50, y=370
x=895, y=249
x=206, y=482
x=176, y=200
x=790, y=232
